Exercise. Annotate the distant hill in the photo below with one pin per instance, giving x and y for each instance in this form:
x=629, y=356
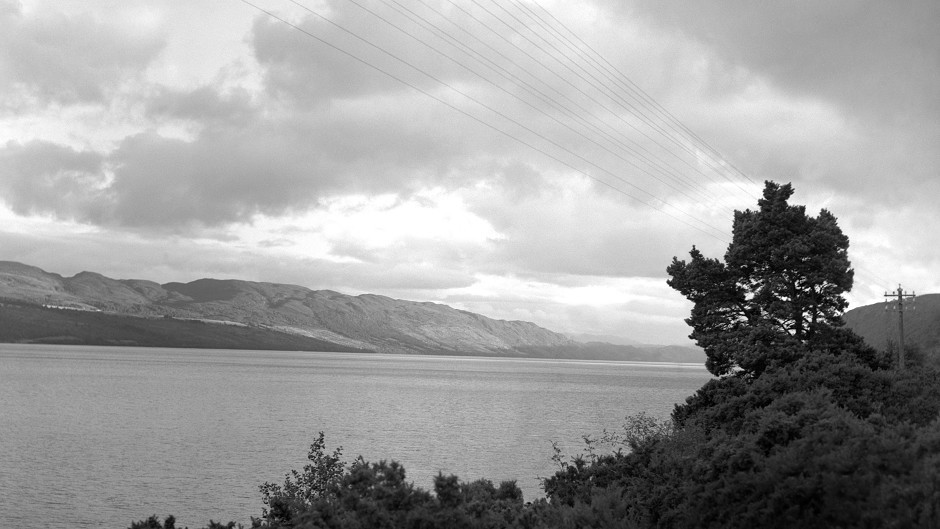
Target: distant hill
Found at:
x=604, y=338
x=89, y=308
x=879, y=326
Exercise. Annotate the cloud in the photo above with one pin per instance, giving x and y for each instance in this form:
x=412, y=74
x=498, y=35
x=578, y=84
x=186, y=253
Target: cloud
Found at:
x=871, y=68
x=322, y=124
x=304, y=70
x=224, y=176
x=343, y=50
x=241, y=161
x=869, y=56
x=567, y=226
x=644, y=309
x=42, y=178
x=204, y=105
x=68, y=249
x=68, y=59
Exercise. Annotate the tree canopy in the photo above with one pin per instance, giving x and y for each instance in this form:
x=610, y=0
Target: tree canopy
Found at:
x=779, y=287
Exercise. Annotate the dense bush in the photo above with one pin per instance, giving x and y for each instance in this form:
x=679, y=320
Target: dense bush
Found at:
x=783, y=451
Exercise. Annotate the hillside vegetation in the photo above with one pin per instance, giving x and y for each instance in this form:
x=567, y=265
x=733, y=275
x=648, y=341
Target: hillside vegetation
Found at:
x=27, y=323
x=878, y=324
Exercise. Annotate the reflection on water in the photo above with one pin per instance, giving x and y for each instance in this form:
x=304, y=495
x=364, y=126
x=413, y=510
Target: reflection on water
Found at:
x=99, y=437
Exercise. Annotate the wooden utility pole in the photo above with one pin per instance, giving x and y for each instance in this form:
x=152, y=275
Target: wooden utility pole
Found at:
x=899, y=307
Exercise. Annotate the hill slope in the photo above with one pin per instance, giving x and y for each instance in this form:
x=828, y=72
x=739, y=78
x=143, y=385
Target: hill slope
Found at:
x=879, y=326
x=261, y=312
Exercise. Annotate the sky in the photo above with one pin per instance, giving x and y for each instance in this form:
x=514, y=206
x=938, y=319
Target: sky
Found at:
x=526, y=160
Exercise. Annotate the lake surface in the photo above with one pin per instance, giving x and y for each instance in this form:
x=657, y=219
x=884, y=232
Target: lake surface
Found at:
x=100, y=437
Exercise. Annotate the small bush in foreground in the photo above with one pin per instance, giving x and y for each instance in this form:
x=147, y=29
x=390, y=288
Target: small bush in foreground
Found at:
x=170, y=523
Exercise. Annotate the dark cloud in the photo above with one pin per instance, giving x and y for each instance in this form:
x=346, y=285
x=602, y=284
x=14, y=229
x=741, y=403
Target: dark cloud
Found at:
x=68, y=59
x=48, y=179
x=879, y=58
x=870, y=70
x=157, y=182
x=302, y=69
x=306, y=67
x=204, y=105
x=222, y=177
x=242, y=161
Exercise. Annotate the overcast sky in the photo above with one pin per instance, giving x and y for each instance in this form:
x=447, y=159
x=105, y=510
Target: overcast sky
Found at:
x=541, y=161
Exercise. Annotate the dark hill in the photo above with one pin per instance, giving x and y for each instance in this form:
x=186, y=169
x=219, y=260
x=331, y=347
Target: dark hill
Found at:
x=205, y=290
x=878, y=324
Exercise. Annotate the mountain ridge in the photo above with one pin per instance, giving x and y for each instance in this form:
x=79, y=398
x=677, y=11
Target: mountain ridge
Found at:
x=366, y=322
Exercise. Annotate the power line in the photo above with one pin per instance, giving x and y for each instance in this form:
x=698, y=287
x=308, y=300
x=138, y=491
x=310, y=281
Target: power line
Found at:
x=490, y=125
x=617, y=116
x=582, y=56
x=436, y=31
x=599, y=84
x=503, y=115
x=662, y=111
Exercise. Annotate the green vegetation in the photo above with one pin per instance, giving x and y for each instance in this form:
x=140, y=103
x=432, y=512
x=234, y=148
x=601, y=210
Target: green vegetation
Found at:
x=804, y=426
x=25, y=322
x=878, y=325
x=778, y=290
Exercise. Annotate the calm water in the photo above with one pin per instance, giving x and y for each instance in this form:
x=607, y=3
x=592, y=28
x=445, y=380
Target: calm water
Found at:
x=99, y=437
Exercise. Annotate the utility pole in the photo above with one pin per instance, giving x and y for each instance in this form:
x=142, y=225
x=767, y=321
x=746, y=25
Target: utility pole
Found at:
x=900, y=295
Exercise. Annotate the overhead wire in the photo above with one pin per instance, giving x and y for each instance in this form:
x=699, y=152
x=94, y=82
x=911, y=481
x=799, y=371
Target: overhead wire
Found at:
x=578, y=113
x=585, y=65
x=868, y=276
x=500, y=113
x=616, y=115
x=649, y=108
x=527, y=87
x=637, y=92
x=559, y=76
x=720, y=163
x=717, y=234
x=597, y=84
x=634, y=107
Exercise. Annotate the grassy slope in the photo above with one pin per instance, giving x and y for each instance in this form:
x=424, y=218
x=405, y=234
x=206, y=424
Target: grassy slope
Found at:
x=879, y=327
x=24, y=323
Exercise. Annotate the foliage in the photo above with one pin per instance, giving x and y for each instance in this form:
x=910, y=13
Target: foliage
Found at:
x=637, y=430
x=170, y=523
x=781, y=281
x=330, y=493
x=301, y=489
x=154, y=523
x=28, y=323
x=824, y=442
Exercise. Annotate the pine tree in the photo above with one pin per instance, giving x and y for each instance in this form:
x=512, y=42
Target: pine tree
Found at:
x=778, y=289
